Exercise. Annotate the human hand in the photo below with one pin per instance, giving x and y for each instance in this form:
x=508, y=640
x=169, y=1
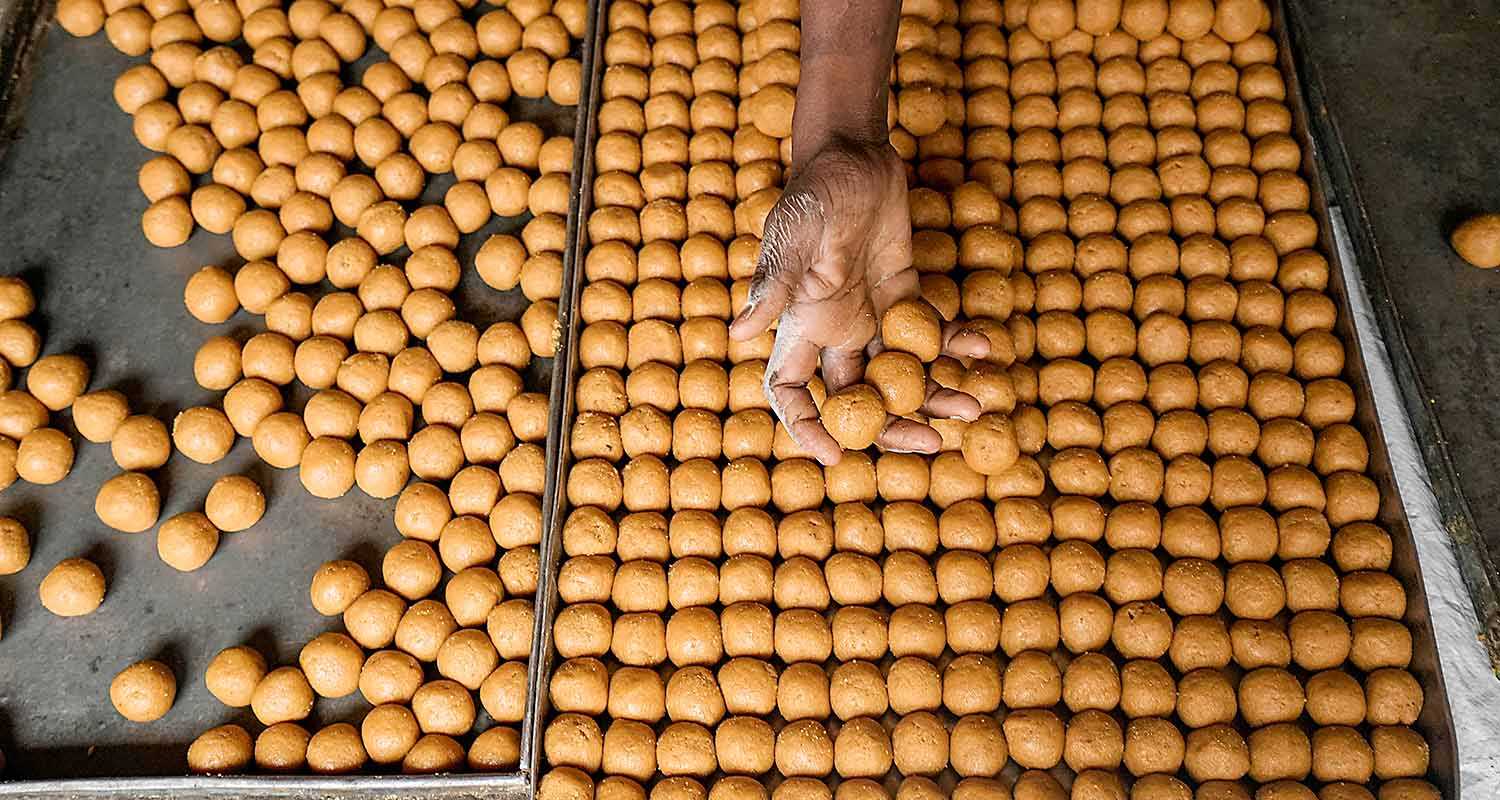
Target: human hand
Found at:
x=835, y=255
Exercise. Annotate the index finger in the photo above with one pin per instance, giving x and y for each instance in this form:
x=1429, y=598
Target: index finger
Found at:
x=792, y=364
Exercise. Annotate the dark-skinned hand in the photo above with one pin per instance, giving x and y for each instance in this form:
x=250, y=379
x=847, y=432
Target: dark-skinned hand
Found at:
x=835, y=255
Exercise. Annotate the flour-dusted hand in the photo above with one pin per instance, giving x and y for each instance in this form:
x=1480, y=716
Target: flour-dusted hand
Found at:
x=835, y=256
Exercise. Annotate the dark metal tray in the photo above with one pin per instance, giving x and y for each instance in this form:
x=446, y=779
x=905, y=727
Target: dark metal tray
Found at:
x=70, y=224
x=1435, y=723
x=1405, y=100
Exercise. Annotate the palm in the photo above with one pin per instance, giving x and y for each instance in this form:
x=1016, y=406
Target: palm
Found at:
x=836, y=254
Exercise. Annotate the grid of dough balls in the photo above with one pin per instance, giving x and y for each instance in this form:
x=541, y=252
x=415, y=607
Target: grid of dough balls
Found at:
x=355, y=207
x=1181, y=585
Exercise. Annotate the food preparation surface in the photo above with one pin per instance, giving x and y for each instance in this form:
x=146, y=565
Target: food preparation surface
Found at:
x=70, y=225
x=1406, y=99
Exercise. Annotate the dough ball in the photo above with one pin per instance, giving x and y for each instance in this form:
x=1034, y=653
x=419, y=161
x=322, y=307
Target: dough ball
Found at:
x=1477, y=240
x=57, y=380
x=210, y=295
x=234, y=503
x=203, y=433
x=912, y=326
x=73, y=588
x=187, y=541
x=97, y=415
x=854, y=417
x=141, y=442
x=282, y=747
x=900, y=380
x=225, y=749
x=143, y=691
x=15, y=546
x=45, y=456
x=335, y=750
x=128, y=502
x=233, y=674
x=1035, y=738
x=283, y=695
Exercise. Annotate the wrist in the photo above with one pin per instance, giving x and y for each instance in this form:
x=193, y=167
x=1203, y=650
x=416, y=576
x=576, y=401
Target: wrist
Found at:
x=834, y=103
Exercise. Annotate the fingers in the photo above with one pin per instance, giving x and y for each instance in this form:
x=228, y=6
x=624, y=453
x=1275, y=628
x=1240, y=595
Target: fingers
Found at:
x=793, y=232
x=949, y=403
x=842, y=368
x=964, y=342
x=792, y=364
x=908, y=436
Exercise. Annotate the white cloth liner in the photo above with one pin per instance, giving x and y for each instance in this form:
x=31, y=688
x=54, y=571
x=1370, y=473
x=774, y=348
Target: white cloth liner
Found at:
x=1473, y=689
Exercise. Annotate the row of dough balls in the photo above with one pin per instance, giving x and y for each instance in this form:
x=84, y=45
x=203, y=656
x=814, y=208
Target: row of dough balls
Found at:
x=571, y=784
x=1314, y=639
x=1188, y=586
x=978, y=745
x=972, y=525
x=1270, y=432
x=1132, y=474
x=977, y=683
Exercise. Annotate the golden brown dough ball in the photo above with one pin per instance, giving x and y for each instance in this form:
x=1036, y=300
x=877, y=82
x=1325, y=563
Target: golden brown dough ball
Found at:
x=1477, y=240
x=225, y=749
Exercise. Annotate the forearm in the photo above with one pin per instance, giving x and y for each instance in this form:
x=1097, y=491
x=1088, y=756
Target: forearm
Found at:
x=847, y=47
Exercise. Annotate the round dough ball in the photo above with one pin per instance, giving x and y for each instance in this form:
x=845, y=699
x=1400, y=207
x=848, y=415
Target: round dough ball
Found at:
x=203, y=433
x=225, y=749
x=283, y=695
x=97, y=415
x=73, y=588
x=331, y=663
x=234, y=503
x=45, y=456
x=282, y=747
x=143, y=691
x=210, y=296
x=233, y=674
x=141, y=442
x=1477, y=240
x=913, y=326
x=336, y=584
x=187, y=541
x=15, y=546
x=128, y=502
x=854, y=417
x=57, y=380
x=335, y=750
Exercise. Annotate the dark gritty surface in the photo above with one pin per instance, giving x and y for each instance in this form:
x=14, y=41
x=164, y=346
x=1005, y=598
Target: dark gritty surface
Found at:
x=70, y=224
x=1412, y=98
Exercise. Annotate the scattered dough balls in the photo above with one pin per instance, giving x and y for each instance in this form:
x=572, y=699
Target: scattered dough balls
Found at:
x=234, y=503
x=233, y=674
x=336, y=584
x=97, y=415
x=45, y=456
x=73, y=588
x=143, y=691
x=1477, y=240
x=187, y=541
x=57, y=380
x=225, y=749
x=128, y=502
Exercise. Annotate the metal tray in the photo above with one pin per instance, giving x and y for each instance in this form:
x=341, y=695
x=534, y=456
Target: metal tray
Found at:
x=69, y=224
x=1435, y=723
x=1399, y=101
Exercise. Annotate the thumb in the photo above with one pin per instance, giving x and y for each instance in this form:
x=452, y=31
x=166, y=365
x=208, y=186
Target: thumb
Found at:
x=793, y=234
